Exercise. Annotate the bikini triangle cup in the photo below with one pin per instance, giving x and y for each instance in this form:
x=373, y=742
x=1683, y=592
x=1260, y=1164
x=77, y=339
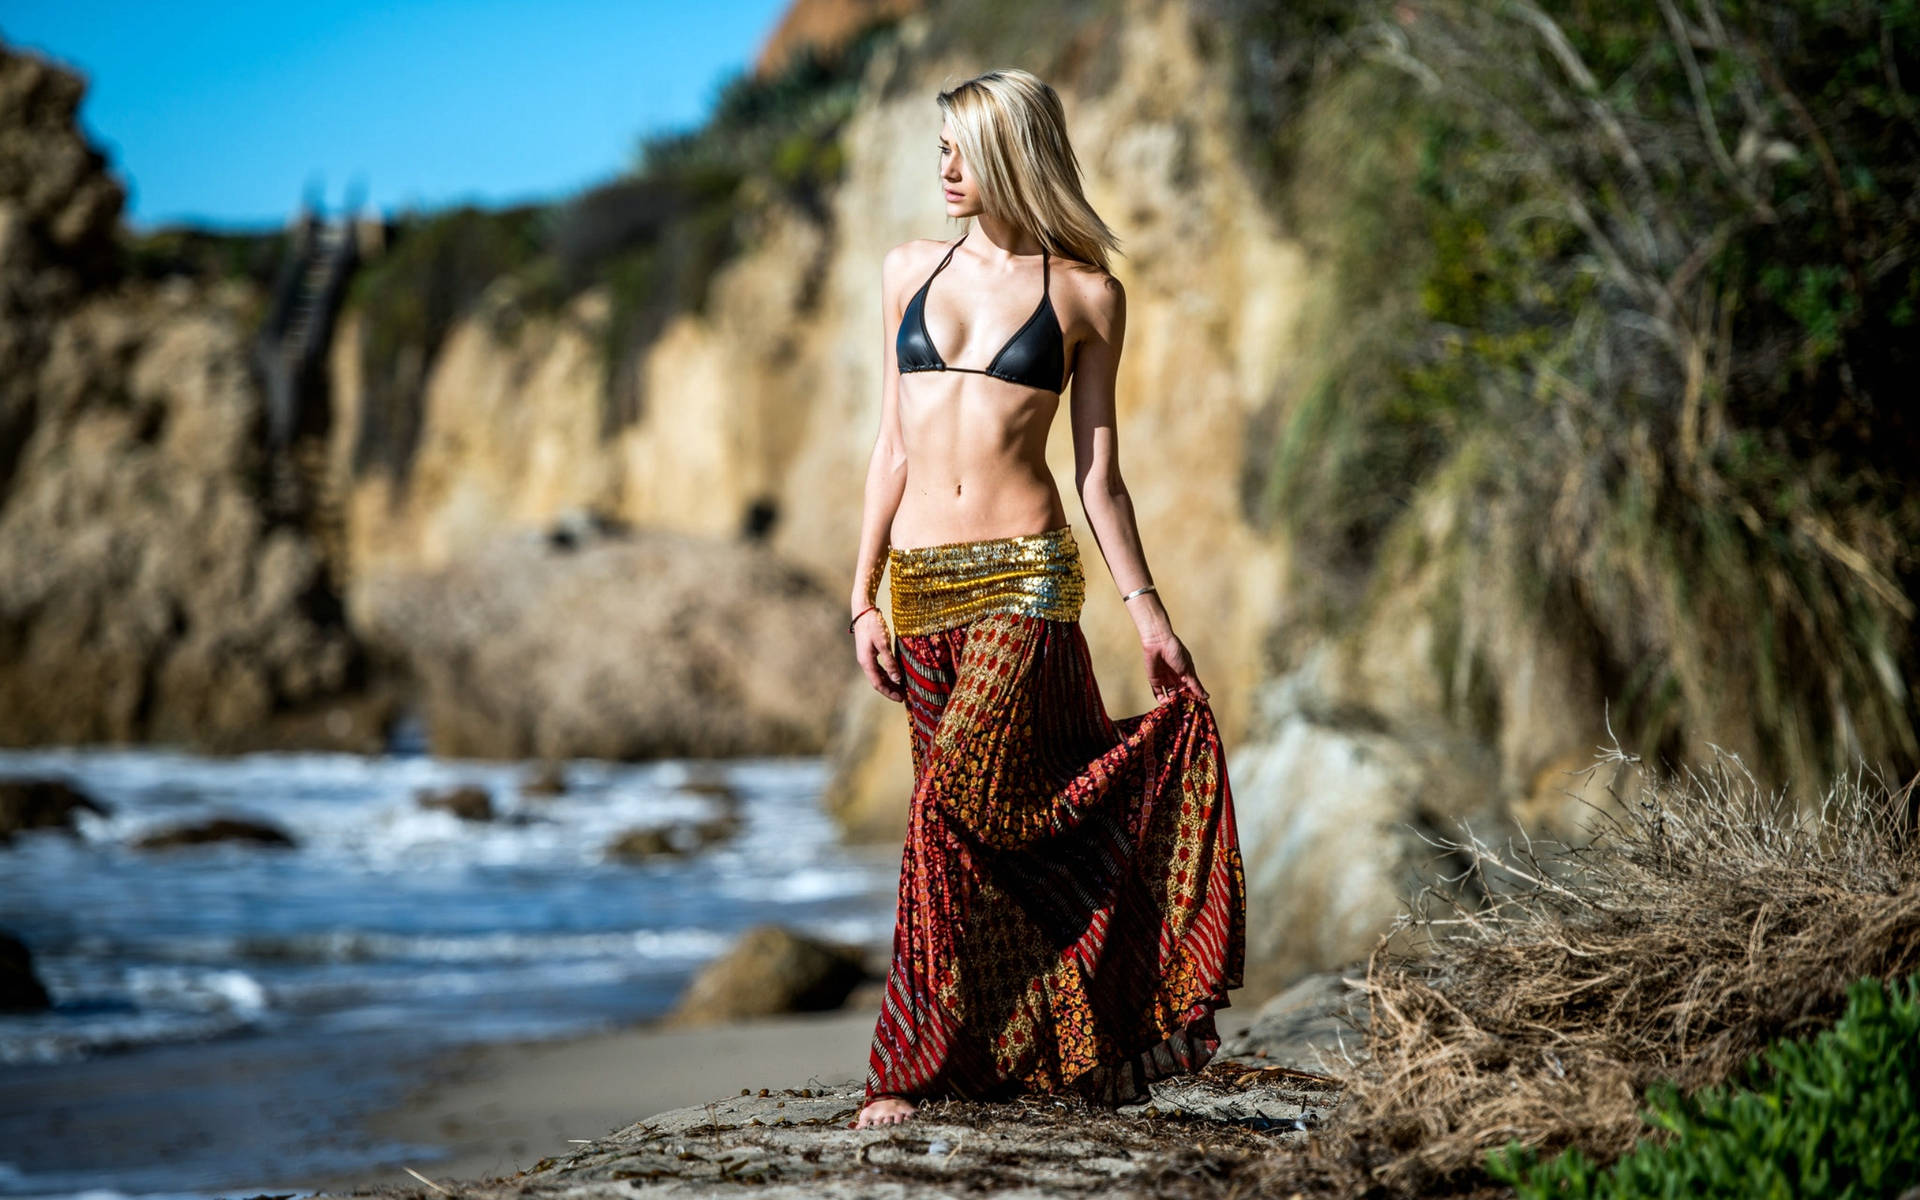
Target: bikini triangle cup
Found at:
x=1035, y=356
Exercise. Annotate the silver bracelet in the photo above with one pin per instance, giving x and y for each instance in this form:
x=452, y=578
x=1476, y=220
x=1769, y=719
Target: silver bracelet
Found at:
x=1137, y=591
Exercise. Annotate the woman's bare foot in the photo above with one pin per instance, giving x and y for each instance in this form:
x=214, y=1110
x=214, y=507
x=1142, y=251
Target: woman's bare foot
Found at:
x=887, y=1110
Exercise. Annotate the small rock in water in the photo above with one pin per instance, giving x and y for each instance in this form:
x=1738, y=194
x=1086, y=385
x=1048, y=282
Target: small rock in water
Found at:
x=716, y=788
x=35, y=803
x=468, y=802
x=684, y=837
x=214, y=829
x=548, y=778
x=641, y=843
x=20, y=989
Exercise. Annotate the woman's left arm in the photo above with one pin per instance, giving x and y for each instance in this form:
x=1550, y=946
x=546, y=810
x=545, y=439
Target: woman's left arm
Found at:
x=1103, y=493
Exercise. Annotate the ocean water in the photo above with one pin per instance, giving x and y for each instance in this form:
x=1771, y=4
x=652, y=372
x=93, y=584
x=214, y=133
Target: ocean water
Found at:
x=281, y=993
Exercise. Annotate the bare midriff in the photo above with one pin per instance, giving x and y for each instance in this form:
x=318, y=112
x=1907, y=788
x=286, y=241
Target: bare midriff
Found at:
x=976, y=460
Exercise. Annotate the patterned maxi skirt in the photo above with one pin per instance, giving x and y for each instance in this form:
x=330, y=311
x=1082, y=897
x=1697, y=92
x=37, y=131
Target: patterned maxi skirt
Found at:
x=1071, y=908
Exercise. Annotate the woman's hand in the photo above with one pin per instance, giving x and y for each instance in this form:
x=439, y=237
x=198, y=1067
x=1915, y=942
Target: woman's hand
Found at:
x=876, y=656
x=1170, y=668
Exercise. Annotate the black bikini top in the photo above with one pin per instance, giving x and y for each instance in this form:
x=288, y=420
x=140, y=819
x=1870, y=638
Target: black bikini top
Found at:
x=1035, y=356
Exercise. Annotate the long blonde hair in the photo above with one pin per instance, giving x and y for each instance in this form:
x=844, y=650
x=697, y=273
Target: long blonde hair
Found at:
x=1012, y=130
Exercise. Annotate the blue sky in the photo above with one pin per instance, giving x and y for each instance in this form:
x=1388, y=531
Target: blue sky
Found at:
x=225, y=113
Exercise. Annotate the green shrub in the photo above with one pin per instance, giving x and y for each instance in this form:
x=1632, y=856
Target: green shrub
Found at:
x=1663, y=260
x=1835, y=1115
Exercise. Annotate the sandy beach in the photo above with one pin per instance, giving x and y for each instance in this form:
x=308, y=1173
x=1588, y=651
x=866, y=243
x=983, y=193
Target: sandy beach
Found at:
x=497, y=1109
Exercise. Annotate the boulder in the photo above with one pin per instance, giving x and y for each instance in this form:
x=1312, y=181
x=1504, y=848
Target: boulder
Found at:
x=772, y=970
x=20, y=989
x=1332, y=799
x=624, y=646
x=214, y=829
x=1319, y=1024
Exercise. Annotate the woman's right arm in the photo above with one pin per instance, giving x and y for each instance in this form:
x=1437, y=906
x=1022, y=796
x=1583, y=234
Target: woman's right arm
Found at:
x=886, y=483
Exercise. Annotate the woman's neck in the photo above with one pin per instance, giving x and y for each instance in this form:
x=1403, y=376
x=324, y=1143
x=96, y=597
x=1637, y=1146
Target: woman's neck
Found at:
x=1007, y=240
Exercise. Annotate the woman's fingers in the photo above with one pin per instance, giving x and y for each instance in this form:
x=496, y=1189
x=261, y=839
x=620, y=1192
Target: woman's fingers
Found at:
x=886, y=687
x=881, y=672
x=883, y=655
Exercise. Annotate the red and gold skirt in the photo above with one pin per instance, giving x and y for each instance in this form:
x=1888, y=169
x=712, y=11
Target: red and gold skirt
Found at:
x=1071, y=909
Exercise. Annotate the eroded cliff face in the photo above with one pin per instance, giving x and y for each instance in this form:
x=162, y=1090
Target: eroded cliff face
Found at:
x=1344, y=750
x=143, y=595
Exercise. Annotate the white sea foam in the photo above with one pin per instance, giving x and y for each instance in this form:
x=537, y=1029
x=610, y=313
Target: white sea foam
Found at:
x=354, y=946
x=43, y=1038
x=178, y=989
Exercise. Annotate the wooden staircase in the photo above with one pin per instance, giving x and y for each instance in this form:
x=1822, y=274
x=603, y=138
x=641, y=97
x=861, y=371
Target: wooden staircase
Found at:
x=289, y=357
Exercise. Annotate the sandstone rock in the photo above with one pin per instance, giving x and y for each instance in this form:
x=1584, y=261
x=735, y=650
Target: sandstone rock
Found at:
x=469, y=803
x=793, y=1144
x=1331, y=802
x=143, y=594
x=1318, y=1024
x=59, y=206
x=822, y=26
x=41, y=804
x=20, y=989
x=214, y=829
x=771, y=970
x=654, y=644
x=870, y=763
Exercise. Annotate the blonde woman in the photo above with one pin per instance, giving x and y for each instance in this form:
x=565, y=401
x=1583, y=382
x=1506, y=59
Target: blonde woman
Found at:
x=1071, y=905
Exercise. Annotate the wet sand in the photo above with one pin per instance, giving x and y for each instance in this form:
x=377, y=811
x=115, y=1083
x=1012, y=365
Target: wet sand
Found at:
x=499, y=1109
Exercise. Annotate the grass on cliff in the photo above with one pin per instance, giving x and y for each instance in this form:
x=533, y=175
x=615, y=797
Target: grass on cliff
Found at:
x=1708, y=920
x=1626, y=295
x=653, y=238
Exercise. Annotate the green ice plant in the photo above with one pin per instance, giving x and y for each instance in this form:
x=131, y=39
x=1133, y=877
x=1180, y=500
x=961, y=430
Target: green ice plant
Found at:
x=1832, y=1115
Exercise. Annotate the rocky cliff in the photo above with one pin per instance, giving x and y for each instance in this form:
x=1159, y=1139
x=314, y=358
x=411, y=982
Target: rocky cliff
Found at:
x=157, y=585
x=143, y=594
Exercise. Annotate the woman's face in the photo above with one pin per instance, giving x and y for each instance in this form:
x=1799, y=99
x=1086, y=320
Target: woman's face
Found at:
x=956, y=177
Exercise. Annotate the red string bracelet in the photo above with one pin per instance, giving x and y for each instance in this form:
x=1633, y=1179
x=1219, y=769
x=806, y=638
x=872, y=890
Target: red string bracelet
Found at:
x=863, y=612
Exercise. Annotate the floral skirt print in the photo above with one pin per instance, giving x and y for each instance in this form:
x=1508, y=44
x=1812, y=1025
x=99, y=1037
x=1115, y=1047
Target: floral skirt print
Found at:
x=1071, y=908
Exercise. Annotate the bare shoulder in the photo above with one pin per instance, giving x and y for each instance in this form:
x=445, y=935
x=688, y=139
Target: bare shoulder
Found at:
x=1088, y=296
x=909, y=258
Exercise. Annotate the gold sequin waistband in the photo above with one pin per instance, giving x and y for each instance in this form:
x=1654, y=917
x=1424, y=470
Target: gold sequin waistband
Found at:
x=938, y=587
